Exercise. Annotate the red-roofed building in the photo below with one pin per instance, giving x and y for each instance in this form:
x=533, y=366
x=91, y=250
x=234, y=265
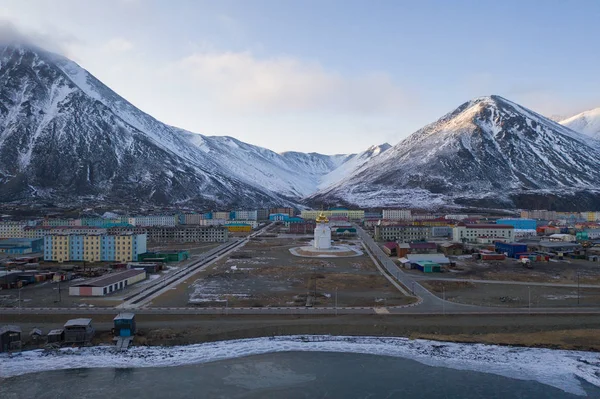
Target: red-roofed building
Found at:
x=390, y=248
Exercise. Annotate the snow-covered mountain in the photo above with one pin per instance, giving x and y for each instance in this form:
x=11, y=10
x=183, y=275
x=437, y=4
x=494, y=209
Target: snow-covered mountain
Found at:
x=587, y=122
x=351, y=164
x=487, y=152
x=65, y=136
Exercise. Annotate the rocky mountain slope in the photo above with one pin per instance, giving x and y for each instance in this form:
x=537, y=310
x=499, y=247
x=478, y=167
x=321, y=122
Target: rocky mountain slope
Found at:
x=487, y=152
x=66, y=137
x=587, y=122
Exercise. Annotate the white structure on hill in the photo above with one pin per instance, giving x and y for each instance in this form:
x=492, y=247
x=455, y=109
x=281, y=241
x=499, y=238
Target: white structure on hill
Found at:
x=322, y=233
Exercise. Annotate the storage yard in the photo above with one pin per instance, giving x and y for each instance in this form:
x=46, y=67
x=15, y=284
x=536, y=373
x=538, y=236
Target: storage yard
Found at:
x=265, y=273
x=567, y=271
x=513, y=295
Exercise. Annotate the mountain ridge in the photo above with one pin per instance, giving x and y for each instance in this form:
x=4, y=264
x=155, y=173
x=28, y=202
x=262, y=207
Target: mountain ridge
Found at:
x=488, y=150
x=95, y=142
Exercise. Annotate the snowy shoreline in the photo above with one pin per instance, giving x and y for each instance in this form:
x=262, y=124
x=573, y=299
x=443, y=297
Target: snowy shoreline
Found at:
x=558, y=368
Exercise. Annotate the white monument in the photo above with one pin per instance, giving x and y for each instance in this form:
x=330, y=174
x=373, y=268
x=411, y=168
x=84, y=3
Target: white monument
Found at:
x=322, y=233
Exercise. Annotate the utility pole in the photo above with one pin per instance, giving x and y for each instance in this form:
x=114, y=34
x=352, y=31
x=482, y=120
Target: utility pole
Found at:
x=444, y=299
x=226, y=306
x=529, y=295
x=577, y=288
x=336, y=302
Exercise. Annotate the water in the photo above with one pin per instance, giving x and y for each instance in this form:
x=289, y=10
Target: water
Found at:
x=282, y=375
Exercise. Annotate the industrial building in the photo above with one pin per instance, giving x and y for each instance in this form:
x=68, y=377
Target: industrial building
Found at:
x=164, y=256
x=521, y=224
x=510, y=249
x=21, y=246
x=107, y=284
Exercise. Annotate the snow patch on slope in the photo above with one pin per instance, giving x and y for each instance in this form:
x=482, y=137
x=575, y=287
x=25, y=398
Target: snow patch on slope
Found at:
x=587, y=122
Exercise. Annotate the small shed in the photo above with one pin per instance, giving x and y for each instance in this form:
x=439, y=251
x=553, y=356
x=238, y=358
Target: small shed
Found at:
x=10, y=338
x=79, y=331
x=428, y=267
x=124, y=325
x=56, y=336
x=35, y=334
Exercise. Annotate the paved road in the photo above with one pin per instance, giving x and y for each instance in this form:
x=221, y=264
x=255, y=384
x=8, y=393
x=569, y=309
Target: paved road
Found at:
x=429, y=304
x=505, y=282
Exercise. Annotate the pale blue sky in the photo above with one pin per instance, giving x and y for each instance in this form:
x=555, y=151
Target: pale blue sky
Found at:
x=329, y=76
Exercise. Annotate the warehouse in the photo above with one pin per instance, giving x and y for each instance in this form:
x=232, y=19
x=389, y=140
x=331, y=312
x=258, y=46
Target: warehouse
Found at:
x=164, y=256
x=511, y=249
x=107, y=284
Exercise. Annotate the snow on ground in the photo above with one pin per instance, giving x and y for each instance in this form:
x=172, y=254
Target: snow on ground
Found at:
x=558, y=368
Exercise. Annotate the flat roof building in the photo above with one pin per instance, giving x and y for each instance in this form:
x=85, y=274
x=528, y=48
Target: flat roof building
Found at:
x=107, y=284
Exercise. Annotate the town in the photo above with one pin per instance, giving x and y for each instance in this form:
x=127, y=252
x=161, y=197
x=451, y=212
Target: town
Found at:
x=285, y=260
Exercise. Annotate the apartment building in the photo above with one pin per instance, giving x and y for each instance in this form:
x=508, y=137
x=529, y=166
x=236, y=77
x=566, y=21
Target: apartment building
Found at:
x=471, y=232
x=402, y=233
x=397, y=214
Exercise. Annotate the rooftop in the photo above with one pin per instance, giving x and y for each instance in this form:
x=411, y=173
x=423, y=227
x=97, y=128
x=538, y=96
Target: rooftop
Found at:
x=124, y=316
x=78, y=322
x=109, y=279
x=9, y=328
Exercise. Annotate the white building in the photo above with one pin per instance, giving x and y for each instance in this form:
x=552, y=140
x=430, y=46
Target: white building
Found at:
x=245, y=215
x=220, y=215
x=397, y=214
x=154, y=220
x=213, y=222
x=322, y=233
x=107, y=284
x=456, y=217
x=562, y=237
x=471, y=232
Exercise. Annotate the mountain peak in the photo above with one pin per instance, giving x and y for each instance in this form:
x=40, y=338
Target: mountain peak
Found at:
x=587, y=122
x=488, y=148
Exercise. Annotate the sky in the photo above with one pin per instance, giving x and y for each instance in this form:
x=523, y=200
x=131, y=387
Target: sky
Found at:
x=324, y=76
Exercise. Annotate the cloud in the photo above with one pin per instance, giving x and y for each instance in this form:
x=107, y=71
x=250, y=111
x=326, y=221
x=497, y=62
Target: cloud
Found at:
x=117, y=45
x=283, y=83
x=55, y=41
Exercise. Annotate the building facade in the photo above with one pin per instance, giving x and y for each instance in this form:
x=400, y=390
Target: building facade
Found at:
x=10, y=229
x=188, y=233
x=64, y=247
x=154, y=220
x=471, y=232
x=402, y=233
x=244, y=215
x=521, y=224
x=350, y=214
x=397, y=214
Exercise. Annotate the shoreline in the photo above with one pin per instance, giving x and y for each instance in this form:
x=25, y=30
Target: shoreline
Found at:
x=566, y=332
x=561, y=369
